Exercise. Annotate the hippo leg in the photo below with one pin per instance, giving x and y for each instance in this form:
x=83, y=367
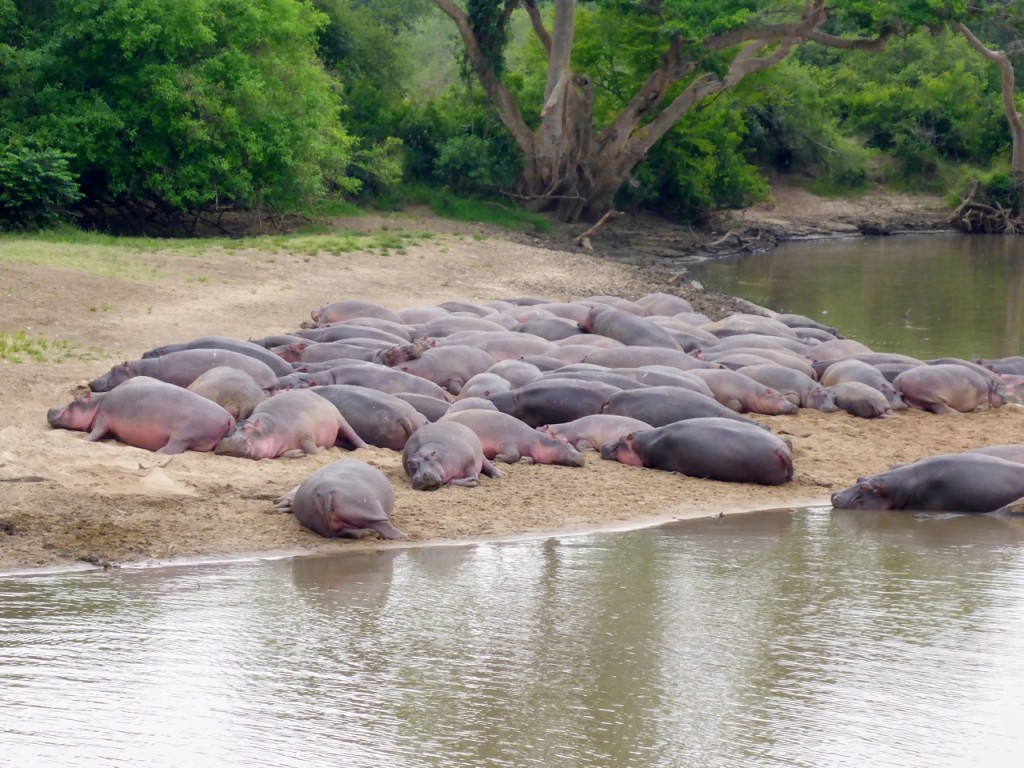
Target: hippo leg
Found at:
x=466, y=482
x=309, y=445
x=388, y=531
x=348, y=436
x=174, y=446
x=509, y=454
x=942, y=409
x=99, y=429
x=490, y=470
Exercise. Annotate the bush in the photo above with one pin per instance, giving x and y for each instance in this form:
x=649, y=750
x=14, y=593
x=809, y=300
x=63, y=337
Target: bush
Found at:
x=35, y=187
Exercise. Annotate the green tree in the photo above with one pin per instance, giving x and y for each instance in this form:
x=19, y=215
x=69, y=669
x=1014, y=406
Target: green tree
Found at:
x=172, y=108
x=604, y=109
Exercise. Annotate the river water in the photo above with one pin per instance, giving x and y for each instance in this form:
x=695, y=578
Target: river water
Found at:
x=805, y=637
x=924, y=295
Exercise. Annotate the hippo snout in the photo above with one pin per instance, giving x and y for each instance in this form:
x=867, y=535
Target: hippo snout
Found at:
x=232, y=445
x=426, y=480
x=53, y=416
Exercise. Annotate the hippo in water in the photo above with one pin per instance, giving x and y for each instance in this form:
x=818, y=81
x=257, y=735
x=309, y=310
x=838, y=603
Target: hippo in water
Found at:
x=147, y=413
x=343, y=499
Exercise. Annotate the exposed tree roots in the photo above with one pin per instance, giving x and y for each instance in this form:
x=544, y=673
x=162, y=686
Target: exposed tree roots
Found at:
x=975, y=217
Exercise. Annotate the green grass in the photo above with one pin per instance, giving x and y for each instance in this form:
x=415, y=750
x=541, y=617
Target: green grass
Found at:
x=20, y=347
x=480, y=211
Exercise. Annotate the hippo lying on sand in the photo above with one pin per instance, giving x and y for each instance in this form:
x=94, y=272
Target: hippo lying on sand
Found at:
x=147, y=413
x=445, y=453
x=962, y=482
x=343, y=499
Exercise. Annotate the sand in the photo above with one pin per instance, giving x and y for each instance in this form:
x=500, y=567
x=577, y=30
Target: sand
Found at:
x=65, y=501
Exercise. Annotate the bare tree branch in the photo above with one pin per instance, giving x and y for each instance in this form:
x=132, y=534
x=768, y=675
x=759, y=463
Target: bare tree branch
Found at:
x=538, y=24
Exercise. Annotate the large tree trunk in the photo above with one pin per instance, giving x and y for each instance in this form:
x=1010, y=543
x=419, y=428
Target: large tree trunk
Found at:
x=566, y=169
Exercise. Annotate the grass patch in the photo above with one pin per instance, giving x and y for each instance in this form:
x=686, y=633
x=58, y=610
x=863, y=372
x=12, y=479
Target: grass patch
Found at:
x=20, y=347
x=477, y=210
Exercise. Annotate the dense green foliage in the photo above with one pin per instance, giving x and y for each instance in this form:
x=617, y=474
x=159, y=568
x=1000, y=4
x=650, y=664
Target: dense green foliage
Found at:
x=174, y=107
x=145, y=115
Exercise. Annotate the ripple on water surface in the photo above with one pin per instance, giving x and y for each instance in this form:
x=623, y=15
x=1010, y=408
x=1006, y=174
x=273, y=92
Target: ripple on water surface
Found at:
x=803, y=638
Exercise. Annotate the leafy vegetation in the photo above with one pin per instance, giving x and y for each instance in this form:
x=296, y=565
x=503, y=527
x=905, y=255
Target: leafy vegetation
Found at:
x=141, y=116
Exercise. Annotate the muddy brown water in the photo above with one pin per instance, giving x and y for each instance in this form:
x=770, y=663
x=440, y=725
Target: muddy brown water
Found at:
x=799, y=637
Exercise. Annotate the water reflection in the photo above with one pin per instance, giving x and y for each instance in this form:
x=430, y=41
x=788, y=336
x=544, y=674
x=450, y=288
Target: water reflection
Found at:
x=794, y=638
x=923, y=295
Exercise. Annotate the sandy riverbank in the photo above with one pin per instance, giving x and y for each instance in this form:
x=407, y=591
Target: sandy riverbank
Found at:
x=64, y=500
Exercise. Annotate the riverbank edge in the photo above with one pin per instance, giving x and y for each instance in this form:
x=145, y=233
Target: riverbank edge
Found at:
x=365, y=547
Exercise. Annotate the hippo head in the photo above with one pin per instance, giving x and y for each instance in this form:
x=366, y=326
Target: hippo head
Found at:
x=240, y=441
x=1011, y=387
x=424, y=470
x=776, y=403
x=79, y=414
x=821, y=399
x=623, y=451
x=116, y=375
x=866, y=494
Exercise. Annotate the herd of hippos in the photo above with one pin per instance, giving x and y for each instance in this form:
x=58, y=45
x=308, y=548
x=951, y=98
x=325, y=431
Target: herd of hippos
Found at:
x=647, y=383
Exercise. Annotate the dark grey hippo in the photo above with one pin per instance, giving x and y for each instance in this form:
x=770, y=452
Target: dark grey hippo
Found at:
x=184, y=367
x=431, y=408
x=505, y=438
x=712, y=448
x=252, y=349
x=589, y=433
x=445, y=453
x=343, y=498
x=289, y=424
x=233, y=390
x=948, y=389
x=963, y=482
x=378, y=418
x=659, y=406
x=860, y=400
x=553, y=401
x=147, y=413
x=550, y=328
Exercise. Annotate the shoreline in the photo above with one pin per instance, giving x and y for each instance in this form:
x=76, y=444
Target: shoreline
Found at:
x=372, y=546
x=108, y=503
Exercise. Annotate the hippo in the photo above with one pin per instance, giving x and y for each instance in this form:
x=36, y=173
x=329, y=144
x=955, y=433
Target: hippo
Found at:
x=751, y=341
x=857, y=370
x=431, y=408
x=948, y=389
x=666, y=376
x=553, y=401
x=589, y=433
x=332, y=333
x=378, y=418
x=449, y=324
x=737, y=357
x=602, y=375
x=743, y=394
x=742, y=322
x=289, y=424
x=636, y=357
x=859, y=399
x=1010, y=452
x=659, y=406
x=230, y=388
x=379, y=377
x=373, y=351
x=249, y=348
x=836, y=349
x=516, y=372
x=472, y=404
x=147, y=413
x=796, y=386
x=664, y=304
x=349, y=308
x=505, y=438
x=961, y=482
x=450, y=367
x=711, y=448
x=184, y=367
x=626, y=327
x=550, y=328
x=445, y=453
x=343, y=498
x=484, y=384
